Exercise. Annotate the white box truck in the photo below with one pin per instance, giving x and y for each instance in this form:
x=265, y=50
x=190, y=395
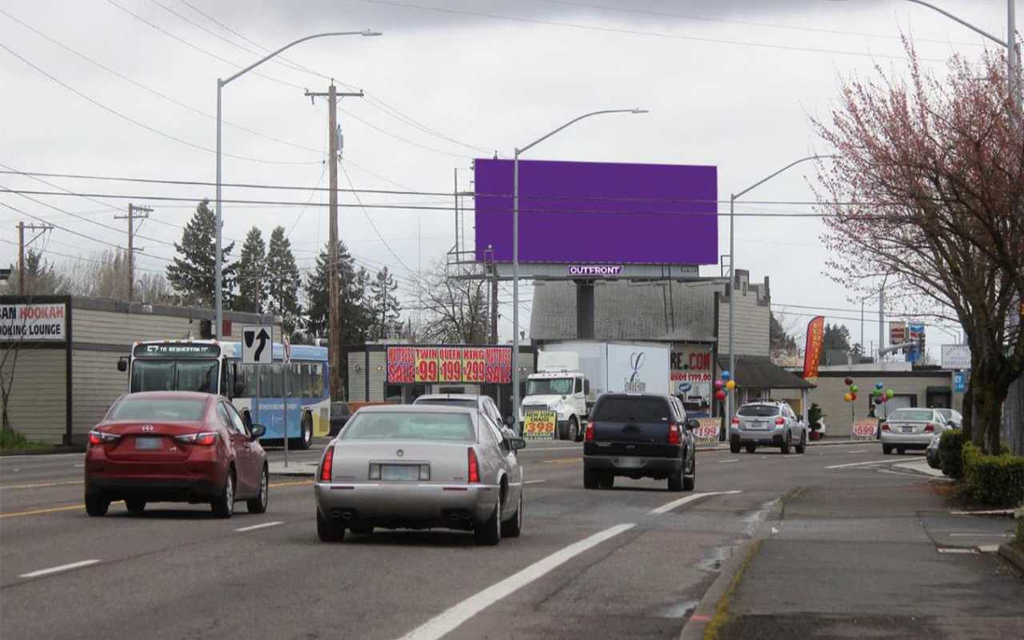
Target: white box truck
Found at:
x=571, y=375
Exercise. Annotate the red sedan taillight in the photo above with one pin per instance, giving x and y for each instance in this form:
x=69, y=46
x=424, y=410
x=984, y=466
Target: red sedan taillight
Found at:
x=474, y=467
x=673, y=433
x=885, y=426
x=327, y=465
x=204, y=439
x=589, y=435
x=97, y=438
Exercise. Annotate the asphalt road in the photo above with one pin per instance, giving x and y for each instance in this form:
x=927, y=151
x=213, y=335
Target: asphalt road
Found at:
x=630, y=562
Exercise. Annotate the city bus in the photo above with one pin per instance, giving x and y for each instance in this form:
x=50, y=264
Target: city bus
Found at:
x=215, y=367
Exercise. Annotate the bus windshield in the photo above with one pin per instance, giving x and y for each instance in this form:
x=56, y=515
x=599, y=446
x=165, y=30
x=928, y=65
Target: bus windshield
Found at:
x=174, y=375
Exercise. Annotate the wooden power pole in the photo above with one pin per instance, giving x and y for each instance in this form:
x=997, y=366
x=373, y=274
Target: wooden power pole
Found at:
x=135, y=212
x=334, y=345
x=22, y=245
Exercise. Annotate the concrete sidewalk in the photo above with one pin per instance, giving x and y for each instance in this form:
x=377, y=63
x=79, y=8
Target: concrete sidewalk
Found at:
x=875, y=555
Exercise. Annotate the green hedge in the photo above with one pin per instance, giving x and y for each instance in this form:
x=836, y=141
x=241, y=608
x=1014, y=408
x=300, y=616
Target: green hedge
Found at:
x=995, y=480
x=950, y=453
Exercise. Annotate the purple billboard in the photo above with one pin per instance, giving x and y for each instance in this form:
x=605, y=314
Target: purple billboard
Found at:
x=594, y=212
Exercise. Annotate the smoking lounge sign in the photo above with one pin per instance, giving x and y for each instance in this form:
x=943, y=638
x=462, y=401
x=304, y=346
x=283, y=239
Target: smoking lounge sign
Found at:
x=32, y=322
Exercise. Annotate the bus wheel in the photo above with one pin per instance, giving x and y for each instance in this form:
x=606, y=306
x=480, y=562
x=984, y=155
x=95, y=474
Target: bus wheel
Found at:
x=307, y=432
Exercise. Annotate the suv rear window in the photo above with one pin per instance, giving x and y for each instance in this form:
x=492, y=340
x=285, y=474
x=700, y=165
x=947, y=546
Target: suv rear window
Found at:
x=758, y=411
x=626, y=409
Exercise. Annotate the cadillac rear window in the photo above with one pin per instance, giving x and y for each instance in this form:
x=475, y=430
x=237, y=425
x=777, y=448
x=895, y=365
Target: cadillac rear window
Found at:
x=174, y=409
x=438, y=427
x=625, y=409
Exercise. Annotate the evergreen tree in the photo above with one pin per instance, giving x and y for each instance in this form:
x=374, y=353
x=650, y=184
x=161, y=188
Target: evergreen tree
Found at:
x=352, y=303
x=283, y=281
x=384, y=305
x=192, y=274
x=836, y=338
x=40, y=276
x=252, y=274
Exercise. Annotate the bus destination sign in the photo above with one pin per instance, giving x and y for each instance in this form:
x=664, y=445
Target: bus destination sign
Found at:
x=176, y=350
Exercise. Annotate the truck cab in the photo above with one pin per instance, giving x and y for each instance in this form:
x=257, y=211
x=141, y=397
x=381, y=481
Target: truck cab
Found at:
x=558, y=387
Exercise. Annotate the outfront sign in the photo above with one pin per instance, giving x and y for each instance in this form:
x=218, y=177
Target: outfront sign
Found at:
x=33, y=322
x=595, y=270
x=477, y=365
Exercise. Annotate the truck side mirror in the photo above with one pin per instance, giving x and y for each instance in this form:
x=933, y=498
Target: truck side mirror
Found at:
x=122, y=364
x=586, y=387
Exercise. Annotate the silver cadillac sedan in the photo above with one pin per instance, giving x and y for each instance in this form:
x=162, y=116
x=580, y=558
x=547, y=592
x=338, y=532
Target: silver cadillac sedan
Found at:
x=403, y=466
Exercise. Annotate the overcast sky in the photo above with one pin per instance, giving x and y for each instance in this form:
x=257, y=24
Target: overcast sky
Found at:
x=731, y=83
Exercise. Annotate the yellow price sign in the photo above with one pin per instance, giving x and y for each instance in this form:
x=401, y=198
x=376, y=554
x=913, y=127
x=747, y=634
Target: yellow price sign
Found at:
x=539, y=425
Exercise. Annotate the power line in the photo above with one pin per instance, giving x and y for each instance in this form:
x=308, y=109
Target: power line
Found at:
x=634, y=32
x=137, y=123
x=149, y=89
x=747, y=23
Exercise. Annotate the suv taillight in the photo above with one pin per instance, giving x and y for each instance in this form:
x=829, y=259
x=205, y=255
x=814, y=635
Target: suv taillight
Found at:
x=327, y=465
x=474, y=467
x=673, y=433
x=589, y=435
x=735, y=420
x=780, y=421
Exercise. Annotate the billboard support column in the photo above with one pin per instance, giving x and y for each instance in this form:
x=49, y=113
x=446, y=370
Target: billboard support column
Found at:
x=585, y=324
x=515, y=287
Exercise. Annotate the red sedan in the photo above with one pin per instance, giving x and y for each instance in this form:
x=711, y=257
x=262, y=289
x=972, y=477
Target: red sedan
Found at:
x=175, y=446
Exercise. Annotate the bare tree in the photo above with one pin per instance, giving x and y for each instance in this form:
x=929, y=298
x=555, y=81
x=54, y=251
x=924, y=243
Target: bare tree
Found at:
x=923, y=198
x=454, y=309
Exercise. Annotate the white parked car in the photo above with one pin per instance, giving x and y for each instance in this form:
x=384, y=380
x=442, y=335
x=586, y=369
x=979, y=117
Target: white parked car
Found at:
x=909, y=428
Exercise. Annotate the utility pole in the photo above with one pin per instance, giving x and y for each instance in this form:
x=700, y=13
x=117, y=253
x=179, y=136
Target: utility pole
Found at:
x=135, y=212
x=334, y=303
x=881, y=321
x=41, y=228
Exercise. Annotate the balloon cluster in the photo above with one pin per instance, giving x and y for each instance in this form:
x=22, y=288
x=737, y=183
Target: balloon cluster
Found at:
x=723, y=383
x=879, y=396
x=851, y=390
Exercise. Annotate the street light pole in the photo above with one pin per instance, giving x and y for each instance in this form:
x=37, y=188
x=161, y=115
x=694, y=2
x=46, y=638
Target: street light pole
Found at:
x=732, y=269
x=515, y=244
x=218, y=278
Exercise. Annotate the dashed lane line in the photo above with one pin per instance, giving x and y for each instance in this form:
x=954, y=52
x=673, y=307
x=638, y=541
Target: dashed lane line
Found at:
x=534, y=481
x=860, y=464
x=440, y=625
x=60, y=569
x=259, y=526
x=665, y=508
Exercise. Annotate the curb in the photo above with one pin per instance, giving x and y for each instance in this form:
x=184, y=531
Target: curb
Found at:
x=905, y=466
x=1013, y=553
x=712, y=611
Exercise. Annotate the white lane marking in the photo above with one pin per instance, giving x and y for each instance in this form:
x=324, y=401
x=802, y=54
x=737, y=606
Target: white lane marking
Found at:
x=860, y=464
x=41, y=485
x=988, y=548
x=665, y=508
x=857, y=451
x=992, y=512
x=61, y=568
x=259, y=526
x=43, y=457
x=447, y=621
x=540, y=449
x=80, y=465
x=979, y=535
x=728, y=461
x=534, y=481
x=955, y=550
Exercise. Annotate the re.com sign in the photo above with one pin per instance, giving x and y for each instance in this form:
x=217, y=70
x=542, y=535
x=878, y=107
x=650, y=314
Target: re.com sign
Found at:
x=32, y=322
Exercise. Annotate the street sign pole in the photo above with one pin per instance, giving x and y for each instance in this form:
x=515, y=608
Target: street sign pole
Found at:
x=284, y=408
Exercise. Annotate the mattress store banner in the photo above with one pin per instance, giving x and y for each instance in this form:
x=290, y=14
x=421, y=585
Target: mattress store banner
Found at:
x=481, y=365
x=33, y=322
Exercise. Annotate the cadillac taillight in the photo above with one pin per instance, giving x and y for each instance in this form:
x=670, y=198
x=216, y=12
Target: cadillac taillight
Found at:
x=327, y=465
x=474, y=467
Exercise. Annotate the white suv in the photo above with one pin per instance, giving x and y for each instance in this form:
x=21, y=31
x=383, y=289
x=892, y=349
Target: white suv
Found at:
x=767, y=424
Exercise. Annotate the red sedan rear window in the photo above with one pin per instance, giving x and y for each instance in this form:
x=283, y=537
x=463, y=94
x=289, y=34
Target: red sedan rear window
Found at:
x=174, y=409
